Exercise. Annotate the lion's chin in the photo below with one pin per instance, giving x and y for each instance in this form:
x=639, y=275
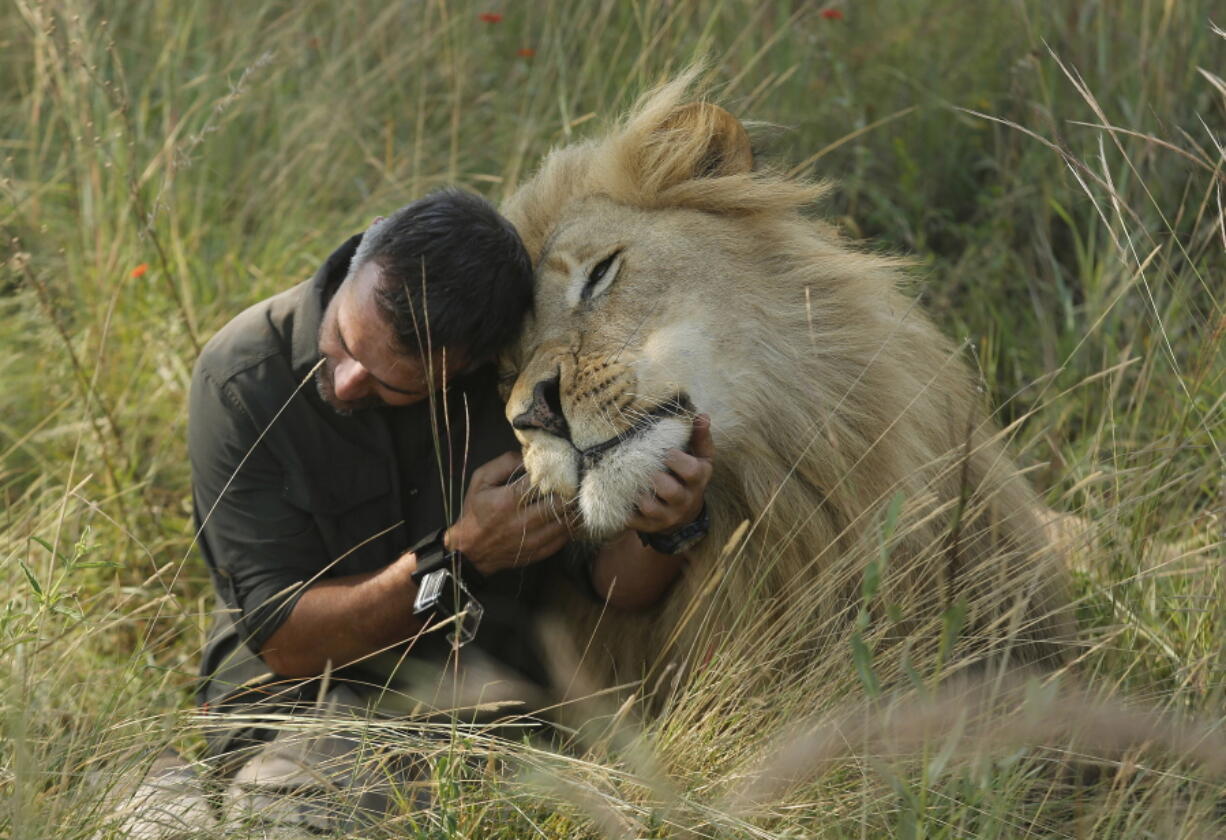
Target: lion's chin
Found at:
x=612, y=485
x=607, y=486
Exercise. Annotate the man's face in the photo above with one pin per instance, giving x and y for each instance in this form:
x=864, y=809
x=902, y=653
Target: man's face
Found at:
x=363, y=364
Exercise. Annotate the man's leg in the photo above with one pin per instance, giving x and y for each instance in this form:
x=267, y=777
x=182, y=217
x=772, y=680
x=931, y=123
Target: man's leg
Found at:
x=323, y=773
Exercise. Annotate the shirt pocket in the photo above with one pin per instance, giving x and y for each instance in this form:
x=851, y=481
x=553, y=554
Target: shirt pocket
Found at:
x=337, y=489
x=352, y=506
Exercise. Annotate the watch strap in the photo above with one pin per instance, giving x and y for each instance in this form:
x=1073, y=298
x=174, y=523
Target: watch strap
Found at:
x=683, y=539
x=432, y=555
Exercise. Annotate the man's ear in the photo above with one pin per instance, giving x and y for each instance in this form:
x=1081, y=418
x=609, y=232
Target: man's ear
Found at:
x=714, y=141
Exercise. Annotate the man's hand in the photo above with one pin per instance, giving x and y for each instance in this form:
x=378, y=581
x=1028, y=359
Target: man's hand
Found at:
x=633, y=576
x=499, y=529
x=676, y=495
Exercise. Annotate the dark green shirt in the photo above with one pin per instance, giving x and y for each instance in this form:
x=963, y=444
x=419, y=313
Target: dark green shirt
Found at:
x=286, y=491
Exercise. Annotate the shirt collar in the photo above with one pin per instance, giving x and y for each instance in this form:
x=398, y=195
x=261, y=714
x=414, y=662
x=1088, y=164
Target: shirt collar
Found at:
x=311, y=305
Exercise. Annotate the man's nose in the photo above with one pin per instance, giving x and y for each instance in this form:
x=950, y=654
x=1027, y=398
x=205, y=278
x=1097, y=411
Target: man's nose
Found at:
x=351, y=381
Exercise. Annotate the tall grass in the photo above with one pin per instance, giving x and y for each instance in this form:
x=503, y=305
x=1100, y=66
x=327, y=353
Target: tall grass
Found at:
x=1056, y=168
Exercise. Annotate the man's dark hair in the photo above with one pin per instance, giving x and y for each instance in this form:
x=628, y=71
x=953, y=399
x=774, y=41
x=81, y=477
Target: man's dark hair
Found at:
x=451, y=265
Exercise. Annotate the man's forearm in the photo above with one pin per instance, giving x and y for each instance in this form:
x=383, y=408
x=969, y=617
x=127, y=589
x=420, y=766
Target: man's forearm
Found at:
x=341, y=620
x=631, y=576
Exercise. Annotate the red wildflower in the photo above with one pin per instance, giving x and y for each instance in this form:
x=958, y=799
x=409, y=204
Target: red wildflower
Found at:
x=490, y=17
x=526, y=52
x=140, y=270
x=832, y=14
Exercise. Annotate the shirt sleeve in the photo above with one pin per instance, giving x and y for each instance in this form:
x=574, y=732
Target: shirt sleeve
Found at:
x=262, y=551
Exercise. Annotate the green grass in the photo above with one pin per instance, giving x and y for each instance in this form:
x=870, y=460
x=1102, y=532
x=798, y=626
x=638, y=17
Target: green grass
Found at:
x=1055, y=168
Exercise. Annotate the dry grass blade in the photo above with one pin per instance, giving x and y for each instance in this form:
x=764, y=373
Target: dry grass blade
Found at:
x=983, y=716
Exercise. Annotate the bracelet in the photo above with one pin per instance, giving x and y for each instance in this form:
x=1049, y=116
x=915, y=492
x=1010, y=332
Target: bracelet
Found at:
x=681, y=540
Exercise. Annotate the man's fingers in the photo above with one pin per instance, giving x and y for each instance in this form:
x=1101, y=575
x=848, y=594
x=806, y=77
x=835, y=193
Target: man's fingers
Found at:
x=537, y=540
x=499, y=470
x=543, y=521
x=647, y=523
x=552, y=546
x=651, y=509
x=688, y=469
x=518, y=484
x=701, y=443
x=668, y=489
x=546, y=509
x=694, y=468
x=545, y=540
x=640, y=523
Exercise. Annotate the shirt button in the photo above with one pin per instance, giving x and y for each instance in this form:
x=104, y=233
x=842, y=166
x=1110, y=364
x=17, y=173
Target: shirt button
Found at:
x=412, y=491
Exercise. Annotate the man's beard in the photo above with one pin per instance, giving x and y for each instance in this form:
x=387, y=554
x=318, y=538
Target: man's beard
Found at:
x=325, y=384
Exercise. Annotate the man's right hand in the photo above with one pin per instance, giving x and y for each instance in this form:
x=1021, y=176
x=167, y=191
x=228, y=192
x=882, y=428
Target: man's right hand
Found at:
x=499, y=528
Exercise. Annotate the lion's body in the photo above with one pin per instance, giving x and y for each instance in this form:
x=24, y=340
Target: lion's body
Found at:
x=831, y=396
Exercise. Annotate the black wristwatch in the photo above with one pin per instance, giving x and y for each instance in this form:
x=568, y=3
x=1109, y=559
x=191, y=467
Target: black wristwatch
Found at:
x=445, y=583
x=681, y=540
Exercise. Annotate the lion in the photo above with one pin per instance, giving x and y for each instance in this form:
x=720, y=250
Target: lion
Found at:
x=676, y=275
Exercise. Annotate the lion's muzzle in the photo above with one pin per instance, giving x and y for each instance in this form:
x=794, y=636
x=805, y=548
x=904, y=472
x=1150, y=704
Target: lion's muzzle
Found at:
x=678, y=406
x=589, y=435
x=544, y=413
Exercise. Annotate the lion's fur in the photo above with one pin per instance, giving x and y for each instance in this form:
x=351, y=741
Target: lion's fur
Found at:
x=841, y=397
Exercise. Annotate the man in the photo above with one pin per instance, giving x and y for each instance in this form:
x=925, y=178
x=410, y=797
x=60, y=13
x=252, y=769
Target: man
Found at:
x=331, y=428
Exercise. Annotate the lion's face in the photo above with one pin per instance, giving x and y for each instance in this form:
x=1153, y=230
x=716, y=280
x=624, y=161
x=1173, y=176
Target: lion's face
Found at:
x=621, y=352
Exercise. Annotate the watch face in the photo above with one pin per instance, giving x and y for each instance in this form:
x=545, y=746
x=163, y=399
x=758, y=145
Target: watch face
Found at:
x=440, y=593
x=433, y=591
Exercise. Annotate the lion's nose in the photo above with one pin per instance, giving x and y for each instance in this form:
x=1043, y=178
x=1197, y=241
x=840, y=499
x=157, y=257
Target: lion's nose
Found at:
x=545, y=412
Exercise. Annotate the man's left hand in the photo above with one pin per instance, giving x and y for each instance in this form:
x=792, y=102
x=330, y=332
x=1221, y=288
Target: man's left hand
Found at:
x=676, y=495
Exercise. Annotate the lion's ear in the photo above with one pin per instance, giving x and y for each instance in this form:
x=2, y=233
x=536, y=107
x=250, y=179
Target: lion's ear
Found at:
x=712, y=140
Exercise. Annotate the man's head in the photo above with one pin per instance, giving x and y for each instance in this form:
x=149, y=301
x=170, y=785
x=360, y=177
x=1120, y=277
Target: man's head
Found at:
x=438, y=287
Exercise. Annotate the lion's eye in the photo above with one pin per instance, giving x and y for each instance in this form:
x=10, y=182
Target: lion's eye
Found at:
x=600, y=276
